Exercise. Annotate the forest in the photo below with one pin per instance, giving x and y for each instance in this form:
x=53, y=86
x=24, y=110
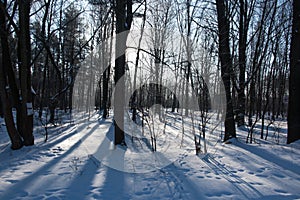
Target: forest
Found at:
x=140, y=99
x=238, y=59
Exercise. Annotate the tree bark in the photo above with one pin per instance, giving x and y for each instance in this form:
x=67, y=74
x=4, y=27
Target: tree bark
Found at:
x=294, y=82
x=9, y=86
x=242, y=62
x=106, y=77
x=226, y=67
x=15, y=138
x=24, y=55
x=7, y=66
x=123, y=23
x=1, y=108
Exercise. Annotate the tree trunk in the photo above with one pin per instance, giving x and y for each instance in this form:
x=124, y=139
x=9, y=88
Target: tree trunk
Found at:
x=294, y=84
x=134, y=103
x=14, y=136
x=7, y=72
x=242, y=63
x=24, y=54
x=123, y=23
x=105, y=92
x=1, y=107
x=106, y=78
x=226, y=67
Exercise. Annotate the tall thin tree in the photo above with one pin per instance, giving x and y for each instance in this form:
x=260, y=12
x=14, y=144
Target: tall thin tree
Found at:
x=123, y=23
x=294, y=82
x=226, y=66
x=24, y=56
x=7, y=87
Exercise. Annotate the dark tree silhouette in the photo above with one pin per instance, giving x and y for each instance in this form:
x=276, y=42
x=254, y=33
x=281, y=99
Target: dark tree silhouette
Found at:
x=226, y=66
x=123, y=23
x=294, y=82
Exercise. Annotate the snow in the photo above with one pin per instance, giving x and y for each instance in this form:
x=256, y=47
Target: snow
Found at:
x=79, y=162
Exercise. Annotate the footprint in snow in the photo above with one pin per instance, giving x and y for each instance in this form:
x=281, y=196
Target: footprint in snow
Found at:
x=57, y=150
x=12, y=181
x=280, y=191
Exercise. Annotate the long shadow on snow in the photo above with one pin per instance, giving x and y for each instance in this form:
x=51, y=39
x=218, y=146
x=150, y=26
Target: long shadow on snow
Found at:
x=272, y=128
x=10, y=193
x=76, y=129
x=83, y=183
x=138, y=142
x=81, y=186
x=285, y=164
x=246, y=189
x=34, y=151
x=258, y=127
x=177, y=182
x=113, y=185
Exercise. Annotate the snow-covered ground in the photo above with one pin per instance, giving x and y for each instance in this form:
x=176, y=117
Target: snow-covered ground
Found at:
x=79, y=162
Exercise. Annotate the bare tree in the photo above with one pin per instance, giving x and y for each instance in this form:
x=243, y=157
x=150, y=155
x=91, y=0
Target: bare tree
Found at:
x=245, y=14
x=294, y=89
x=6, y=88
x=24, y=56
x=226, y=66
x=134, y=96
x=124, y=18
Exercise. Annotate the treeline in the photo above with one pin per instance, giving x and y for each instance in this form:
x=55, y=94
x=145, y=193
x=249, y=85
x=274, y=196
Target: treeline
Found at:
x=61, y=55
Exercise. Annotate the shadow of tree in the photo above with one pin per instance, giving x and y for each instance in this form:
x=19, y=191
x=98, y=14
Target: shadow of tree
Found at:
x=245, y=188
x=33, y=179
